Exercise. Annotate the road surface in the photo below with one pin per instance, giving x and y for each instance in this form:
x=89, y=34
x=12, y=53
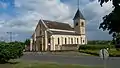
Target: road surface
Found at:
x=112, y=62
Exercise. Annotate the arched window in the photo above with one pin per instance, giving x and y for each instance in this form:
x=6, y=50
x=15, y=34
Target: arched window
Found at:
x=65, y=40
x=77, y=40
x=58, y=41
x=83, y=41
x=49, y=40
x=76, y=24
x=71, y=40
x=82, y=23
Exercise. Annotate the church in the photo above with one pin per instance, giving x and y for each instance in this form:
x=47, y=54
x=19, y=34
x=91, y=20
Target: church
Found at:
x=53, y=35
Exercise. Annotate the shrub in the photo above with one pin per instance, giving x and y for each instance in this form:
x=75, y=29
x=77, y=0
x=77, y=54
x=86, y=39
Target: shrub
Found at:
x=100, y=42
x=10, y=51
x=94, y=47
x=112, y=53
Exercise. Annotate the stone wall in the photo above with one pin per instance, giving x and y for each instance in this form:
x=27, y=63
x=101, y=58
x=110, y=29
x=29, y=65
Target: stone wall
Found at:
x=70, y=47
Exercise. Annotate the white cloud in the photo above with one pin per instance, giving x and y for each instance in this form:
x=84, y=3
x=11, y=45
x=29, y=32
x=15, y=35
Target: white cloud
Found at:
x=30, y=11
x=95, y=10
x=94, y=13
x=33, y=10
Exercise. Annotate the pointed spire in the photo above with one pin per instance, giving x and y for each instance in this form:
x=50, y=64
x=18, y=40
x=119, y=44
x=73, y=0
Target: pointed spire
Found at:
x=78, y=15
x=78, y=4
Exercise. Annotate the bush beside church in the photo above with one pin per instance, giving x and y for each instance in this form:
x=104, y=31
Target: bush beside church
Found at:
x=9, y=51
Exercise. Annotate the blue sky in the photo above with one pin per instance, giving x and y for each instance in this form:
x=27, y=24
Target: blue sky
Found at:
x=7, y=7
x=22, y=16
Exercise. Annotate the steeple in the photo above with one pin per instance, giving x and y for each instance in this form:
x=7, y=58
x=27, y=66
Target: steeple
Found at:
x=78, y=14
x=79, y=25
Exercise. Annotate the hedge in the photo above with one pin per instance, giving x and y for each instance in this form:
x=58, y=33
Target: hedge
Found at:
x=10, y=51
x=94, y=47
x=94, y=50
x=112, y=53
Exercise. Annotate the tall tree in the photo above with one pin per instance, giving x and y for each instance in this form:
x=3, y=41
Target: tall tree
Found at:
x=27, y=42
x=111, y=22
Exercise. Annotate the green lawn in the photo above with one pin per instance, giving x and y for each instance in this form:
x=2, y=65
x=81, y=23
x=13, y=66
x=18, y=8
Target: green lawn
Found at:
x=94, y=50
x=112, y=52
x=36, y=64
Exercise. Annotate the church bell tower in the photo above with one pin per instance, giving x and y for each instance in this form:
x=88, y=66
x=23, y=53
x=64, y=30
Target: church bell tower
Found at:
x=79, y=25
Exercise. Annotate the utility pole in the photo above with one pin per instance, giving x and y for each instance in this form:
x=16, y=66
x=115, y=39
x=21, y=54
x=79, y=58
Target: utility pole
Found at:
x=2, y=39
x=10, y=33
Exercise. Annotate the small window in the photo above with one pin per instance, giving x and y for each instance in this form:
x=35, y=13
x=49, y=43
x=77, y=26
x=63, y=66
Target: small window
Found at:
x=83, y=41
x=82, y=23
x=65, y=40
x=71, y=40
x=58, y=41
x=76, y=23
x=77, y=40
x=49, y=40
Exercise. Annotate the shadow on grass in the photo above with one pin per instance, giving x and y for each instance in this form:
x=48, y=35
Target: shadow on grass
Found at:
x=13, y=62
x=10, y=62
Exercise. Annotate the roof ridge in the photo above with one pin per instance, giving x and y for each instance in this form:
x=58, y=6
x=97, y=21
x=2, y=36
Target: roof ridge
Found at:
x=56, y=21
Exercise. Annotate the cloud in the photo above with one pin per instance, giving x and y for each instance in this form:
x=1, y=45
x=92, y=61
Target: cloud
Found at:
x=31, y=10
x=95, y=10
x=48, y=9
x=28, y=13
x=3, y=5
x=94, y=13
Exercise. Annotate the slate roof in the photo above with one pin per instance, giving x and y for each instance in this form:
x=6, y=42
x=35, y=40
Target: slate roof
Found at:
x=57, y=25
x=78, y=15
x=64, y=33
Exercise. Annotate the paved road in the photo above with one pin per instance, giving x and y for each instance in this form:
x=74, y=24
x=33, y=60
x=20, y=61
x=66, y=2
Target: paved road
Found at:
x=113, y=62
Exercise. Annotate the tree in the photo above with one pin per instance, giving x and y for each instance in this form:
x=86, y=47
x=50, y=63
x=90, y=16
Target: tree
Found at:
x=27, y=42
x=27, y=45
x=10, y=51
x=111, y=22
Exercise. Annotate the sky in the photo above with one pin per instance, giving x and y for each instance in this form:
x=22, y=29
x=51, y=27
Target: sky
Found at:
x=21, y=16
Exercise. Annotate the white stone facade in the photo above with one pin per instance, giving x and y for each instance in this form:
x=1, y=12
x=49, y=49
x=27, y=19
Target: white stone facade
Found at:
x=52, y=36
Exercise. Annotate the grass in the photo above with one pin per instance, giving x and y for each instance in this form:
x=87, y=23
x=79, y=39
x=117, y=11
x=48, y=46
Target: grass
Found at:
x=112, y=52
x=94, y=50
x=37, y=64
